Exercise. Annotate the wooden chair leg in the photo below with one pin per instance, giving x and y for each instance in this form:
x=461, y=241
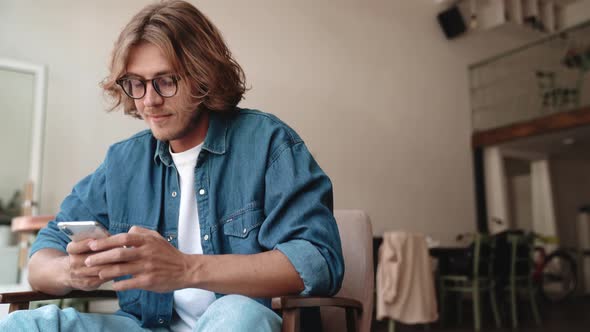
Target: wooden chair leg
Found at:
x=18, y=306
x=513, y=305
x=351, y=320
x=460, y=308
x=391, y=325
x=476, y=307
x=291, y=320
x=497, y=318
x=441, y=308
x=534, y=306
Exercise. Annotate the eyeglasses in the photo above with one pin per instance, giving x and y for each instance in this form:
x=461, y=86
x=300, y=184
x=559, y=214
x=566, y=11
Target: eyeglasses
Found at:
x=165, y=86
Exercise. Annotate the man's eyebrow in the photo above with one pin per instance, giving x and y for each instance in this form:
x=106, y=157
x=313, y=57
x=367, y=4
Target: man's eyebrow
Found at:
x=160, y=73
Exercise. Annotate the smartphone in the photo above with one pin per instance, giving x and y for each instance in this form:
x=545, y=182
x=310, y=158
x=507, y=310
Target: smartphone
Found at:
x=80, y=230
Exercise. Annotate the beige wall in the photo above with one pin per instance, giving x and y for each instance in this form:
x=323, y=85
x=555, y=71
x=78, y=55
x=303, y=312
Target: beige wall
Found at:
x=576, y=13
x=372, y=85
x=518, y=176
x=571, y=186
x=522, y=208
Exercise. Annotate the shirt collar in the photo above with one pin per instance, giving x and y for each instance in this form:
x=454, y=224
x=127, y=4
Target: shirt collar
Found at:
x=215, y=140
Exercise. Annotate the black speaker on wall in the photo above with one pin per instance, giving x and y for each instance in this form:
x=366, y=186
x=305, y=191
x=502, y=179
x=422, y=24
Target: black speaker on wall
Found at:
x=452, y=23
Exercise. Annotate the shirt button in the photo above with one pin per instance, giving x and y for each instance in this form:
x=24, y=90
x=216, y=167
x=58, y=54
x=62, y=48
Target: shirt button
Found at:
x=206, y=237
x=244, y=231
x=174, y=194
x=161, y=321
x=169, y=239
x=202, y=192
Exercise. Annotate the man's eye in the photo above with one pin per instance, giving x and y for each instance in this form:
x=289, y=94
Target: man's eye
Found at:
x=136, y=84
x=165, y=82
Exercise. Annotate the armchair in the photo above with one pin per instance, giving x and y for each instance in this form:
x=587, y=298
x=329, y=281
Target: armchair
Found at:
x=355, y=296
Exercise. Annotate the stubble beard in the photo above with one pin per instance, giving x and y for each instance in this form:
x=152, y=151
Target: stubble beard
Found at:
x=179, y=133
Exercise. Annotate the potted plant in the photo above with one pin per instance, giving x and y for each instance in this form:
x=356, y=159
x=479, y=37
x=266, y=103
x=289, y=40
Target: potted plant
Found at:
x=8, y=211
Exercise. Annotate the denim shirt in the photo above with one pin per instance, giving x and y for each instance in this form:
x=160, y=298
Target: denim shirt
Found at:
x=257, y=186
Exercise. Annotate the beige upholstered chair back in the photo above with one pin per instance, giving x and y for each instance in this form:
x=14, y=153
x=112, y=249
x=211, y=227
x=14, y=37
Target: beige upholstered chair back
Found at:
x=357, y=246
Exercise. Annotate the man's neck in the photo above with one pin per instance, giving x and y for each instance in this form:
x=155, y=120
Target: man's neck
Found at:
x=195, y=137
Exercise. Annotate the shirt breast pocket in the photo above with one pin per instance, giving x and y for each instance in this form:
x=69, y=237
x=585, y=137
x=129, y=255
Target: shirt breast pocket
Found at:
x=241, y=229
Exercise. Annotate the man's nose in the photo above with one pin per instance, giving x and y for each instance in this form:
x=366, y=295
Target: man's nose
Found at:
x=151, y=98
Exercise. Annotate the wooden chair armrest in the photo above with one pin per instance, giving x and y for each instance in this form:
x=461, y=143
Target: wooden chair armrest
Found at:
x=291, y=302
x=291, y=308
x=20, y=300
x=30, y=223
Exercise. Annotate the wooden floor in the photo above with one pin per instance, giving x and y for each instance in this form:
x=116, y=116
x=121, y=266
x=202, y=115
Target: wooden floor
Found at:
x=570, y=316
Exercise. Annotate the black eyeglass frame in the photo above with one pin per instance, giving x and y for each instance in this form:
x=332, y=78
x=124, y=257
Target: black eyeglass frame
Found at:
x=174, y=78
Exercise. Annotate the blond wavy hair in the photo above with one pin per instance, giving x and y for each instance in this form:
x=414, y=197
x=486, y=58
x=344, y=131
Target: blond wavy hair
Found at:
x=194, y=47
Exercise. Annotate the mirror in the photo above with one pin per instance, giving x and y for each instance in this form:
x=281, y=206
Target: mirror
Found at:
x=22, y=106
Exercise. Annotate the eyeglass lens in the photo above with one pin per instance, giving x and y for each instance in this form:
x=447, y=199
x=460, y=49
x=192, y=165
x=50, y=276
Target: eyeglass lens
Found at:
x=165, y=86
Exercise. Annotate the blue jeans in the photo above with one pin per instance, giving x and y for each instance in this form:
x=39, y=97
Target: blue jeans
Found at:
x=229, y=313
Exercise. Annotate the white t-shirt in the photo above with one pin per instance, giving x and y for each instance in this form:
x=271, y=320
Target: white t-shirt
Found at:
x=189, y=303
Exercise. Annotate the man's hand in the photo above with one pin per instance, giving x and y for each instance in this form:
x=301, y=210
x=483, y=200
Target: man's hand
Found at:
x=153, y=263
x=156, y=265
x=81, y=276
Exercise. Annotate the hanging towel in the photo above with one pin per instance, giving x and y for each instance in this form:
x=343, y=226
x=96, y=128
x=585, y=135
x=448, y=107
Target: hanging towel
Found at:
x=405, y=280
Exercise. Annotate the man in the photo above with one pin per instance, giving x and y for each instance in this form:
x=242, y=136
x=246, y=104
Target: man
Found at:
x=211, y=200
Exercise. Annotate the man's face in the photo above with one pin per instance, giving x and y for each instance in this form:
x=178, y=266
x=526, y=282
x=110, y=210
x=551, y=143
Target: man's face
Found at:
x=169, y=118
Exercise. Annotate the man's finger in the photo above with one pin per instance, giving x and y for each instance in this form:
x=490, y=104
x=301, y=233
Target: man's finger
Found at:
x=85, y=272
x=116, y=255
x=141, y=230
x=137, y=282
x=87, y=284
x=78, y=247
x=110, y=272
x=117, y=241
x=125, y=284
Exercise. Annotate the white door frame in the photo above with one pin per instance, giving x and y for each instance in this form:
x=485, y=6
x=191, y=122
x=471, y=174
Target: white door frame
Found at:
x=496, y=184
x=39, y=73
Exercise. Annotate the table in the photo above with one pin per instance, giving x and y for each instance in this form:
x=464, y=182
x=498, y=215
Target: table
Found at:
x=443, y=253
x=447, y=255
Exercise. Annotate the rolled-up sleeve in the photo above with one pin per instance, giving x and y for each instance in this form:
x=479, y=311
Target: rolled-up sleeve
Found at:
x=87, y=201
x=309, y=263
x=300, y=221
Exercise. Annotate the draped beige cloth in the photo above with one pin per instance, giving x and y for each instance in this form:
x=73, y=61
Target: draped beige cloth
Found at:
x=405, y=280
